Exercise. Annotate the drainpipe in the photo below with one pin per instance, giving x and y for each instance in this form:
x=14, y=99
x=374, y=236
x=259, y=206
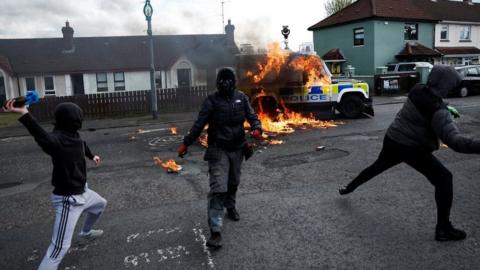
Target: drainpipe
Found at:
x=18, y=85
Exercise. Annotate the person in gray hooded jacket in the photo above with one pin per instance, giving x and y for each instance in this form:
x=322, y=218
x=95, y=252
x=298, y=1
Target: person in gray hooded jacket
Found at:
x=415, y=133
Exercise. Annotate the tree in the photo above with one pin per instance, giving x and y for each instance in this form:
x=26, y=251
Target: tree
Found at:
x=333, y=6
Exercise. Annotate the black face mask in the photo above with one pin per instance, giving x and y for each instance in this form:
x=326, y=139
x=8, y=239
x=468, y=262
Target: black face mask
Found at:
x=226, y=87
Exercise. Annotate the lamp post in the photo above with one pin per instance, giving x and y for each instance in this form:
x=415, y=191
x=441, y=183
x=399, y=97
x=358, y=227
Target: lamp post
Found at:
x=148, y=11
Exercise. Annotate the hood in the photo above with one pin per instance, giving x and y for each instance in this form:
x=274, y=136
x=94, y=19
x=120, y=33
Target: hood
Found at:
x=68, y=117
x=226, y=81
x=443, y=79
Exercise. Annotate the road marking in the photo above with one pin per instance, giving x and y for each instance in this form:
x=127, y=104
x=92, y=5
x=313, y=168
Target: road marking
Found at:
x=200, y=237
x=142, y=131
x=158, y=255
x=162, y=255
x=143, y=236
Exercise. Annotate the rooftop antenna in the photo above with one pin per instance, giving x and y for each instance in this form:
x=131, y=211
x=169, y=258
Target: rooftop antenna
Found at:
x=223, y=15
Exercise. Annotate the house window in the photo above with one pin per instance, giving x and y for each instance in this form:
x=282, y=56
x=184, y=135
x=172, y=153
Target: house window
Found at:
x=30, y=82
x=158, y=79
x=49, y=85
x=444, y=32
x=465, y=32
x=102, y=84
x=411, y=31
x=119, y=80
x=358, y=37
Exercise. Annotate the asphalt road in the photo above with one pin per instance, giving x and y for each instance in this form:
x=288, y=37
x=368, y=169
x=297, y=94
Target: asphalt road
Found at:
x=291, y=214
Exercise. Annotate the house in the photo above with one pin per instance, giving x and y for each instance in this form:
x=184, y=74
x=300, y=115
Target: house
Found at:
x=86, y=65
x=372, y=33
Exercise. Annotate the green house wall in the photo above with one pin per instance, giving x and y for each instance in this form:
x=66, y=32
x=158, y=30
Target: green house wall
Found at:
x=383, y=40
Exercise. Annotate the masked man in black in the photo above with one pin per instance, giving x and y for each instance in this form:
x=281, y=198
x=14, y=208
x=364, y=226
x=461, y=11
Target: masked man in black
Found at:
x=225, y=112
x=414, y=135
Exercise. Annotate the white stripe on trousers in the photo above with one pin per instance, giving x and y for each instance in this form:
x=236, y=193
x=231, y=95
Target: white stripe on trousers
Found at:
x=68, y=210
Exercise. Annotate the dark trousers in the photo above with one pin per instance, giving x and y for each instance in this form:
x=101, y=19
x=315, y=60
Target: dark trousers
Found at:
x=421, y=160
x=225, y=170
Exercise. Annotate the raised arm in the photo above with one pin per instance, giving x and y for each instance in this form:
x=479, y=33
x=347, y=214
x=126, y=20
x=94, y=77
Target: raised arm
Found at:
x=448, y=132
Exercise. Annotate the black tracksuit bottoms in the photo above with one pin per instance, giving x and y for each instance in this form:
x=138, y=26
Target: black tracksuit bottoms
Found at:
x=421, y=160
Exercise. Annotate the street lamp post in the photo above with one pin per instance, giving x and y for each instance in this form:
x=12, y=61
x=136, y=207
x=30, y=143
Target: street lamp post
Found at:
x=148, y=11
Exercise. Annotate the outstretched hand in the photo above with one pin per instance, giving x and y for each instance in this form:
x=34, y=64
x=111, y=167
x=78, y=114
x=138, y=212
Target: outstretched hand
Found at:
x=97, y=160
x=8, y=107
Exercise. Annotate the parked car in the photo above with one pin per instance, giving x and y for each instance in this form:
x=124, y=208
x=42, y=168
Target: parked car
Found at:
x=404, y=67
x=470, y=82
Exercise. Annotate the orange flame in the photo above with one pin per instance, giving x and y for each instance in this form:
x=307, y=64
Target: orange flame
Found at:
x=169, y=166
x=276, y=58
x=275, y=142
x=173, y=130
x=313, y=67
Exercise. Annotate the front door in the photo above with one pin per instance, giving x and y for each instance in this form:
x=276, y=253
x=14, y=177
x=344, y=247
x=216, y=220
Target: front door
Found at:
x=184, y=77
x=77, y=84
x=3, y=95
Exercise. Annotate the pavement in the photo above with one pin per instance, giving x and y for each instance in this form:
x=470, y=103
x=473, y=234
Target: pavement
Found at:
x=17, y=129
x=291, y=214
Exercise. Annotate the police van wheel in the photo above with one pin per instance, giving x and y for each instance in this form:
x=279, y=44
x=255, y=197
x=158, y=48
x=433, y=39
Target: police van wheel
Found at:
x=351, y=106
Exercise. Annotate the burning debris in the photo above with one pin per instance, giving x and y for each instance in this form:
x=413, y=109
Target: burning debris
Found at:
x=170, y=165
x=173, y=130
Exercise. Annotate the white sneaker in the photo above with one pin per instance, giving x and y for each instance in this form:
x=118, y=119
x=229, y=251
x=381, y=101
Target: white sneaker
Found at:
x=92, y=234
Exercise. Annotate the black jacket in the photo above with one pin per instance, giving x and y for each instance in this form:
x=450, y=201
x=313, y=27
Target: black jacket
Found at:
x=425, y=119
x=225, y=117
x=67, y=151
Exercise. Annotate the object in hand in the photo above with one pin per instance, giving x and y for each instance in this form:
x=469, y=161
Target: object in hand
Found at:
x=30, y=98
x=453, y=111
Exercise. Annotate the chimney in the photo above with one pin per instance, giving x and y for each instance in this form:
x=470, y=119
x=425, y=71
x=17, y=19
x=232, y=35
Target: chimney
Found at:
x=67, y=31
x=230, y=34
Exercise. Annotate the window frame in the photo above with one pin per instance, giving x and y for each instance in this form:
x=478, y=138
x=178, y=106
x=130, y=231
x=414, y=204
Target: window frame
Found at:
x=158, y=79
x=49, y=92
x=410, y=35
x=355, y=39
x=446, y=31
x=105, y=88
x=119, y=85
x=462, y=28
x=27, y=84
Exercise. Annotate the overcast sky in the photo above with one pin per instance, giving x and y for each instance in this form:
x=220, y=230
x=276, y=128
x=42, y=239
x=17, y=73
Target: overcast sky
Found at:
x=256, y=21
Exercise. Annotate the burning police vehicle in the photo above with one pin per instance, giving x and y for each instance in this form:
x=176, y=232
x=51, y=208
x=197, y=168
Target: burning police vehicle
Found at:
x=285, y=83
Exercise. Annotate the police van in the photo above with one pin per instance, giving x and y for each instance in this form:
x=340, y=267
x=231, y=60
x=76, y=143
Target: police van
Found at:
x=289, y=89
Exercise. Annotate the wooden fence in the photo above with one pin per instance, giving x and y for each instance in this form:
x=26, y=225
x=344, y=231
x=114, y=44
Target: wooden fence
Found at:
x=172, y=100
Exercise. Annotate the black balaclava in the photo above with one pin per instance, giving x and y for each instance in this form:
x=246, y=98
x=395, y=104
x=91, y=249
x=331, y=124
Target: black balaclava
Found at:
x=226, y=82
x=68, y=117
x=443, y=79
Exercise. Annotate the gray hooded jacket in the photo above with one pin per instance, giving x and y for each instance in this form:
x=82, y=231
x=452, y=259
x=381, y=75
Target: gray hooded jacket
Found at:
x=425, y=119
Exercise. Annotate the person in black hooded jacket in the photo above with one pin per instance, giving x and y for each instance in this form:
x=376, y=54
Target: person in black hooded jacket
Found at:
x=415, y=133
x=225, y=112
x=71, y=195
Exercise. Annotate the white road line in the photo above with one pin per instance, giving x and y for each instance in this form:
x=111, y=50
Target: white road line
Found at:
x=200, y=237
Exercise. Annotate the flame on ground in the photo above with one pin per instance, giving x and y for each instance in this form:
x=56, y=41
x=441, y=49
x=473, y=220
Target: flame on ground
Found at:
x=170, y=165
x=173, y=130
